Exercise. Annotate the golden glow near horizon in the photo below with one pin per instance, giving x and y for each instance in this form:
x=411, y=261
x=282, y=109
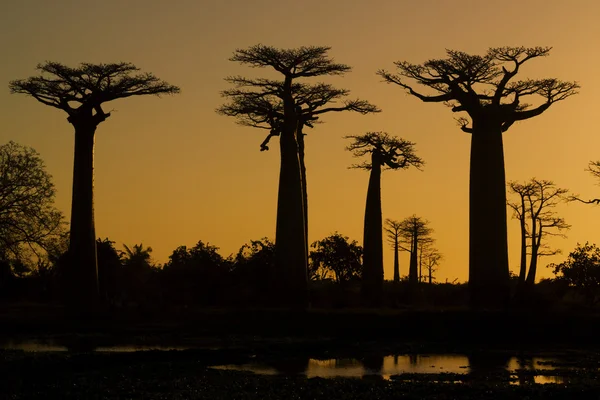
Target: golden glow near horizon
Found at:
x=170, y=171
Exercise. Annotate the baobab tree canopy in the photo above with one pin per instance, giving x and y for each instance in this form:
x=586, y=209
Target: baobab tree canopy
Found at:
x=87, y=87
x=483, y=86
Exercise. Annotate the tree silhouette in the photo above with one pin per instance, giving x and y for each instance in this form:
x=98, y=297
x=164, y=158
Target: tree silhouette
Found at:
x=594, y=169
x=284, y=108
x=81, y=92
x=414, y=232
x=338, y=255
x=483, y=87
x=534, y=210
x=431, y=258
x=30, y=225
x=386, y=152
x=392, y=229
x=582, y=271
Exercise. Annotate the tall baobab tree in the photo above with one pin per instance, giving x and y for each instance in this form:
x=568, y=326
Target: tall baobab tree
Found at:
x=284, y=108
x=386, y=152
x=81, y=92
x=535, y=211
x=483, y=87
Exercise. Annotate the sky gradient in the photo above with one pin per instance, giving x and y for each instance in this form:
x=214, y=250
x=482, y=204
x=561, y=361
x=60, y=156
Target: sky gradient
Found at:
x=170, y=171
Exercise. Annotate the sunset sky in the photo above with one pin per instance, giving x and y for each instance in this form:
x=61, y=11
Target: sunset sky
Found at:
x=171, y=172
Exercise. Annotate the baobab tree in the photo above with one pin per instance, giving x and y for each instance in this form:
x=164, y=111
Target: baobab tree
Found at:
x=414, y=233
x=393, y=232
x=484, y=88
x=430, y=257
x=81, y=93
x=535, y=211
x=386, y=152
x=284, y=107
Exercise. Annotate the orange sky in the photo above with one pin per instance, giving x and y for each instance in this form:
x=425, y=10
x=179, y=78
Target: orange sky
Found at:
x=171, y=171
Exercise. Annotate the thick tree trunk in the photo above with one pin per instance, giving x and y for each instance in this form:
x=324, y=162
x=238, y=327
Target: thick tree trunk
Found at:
x=523, y=268
x=82, y=277
x=413, y=275
x=535, y=248
x=396, y=261
x=290, y=239
x=372, y=279
x=488, y=247
x=300, y=139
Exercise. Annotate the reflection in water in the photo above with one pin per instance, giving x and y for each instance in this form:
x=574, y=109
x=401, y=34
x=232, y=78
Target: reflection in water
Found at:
x=489, y=366
x=373, y=367
x=497, y=367
x=519, y=370
x=78, y=345
x=290, y=366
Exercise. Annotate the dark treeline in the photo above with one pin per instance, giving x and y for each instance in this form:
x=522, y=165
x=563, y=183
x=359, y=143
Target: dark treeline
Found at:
x=88, y=273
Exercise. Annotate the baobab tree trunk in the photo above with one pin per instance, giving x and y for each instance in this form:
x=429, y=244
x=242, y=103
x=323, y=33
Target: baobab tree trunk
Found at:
x=290, y=240
x=413, y=275
x=82, y=277
x=300, y=139
x=396, y=261
x=535, y=248
x=488, y=247
x=523, y=268
x=372, y=279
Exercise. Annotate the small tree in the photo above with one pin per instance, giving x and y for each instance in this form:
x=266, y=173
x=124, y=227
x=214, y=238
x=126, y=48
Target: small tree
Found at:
x=386, y=152
x=30, y=226
x=337, y=255
x=284, y=108
x=430, y=257
x=81, y=92
x=582, y=271
x=483, y=87
x=393, y=230
x=415, y=233
x=535, y=211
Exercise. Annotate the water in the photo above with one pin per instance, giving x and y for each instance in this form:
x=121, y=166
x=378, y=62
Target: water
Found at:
x=446, y=367
x=513, y=369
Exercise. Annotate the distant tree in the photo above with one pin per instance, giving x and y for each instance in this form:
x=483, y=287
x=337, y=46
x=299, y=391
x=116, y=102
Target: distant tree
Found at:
x=386, y=152
x=483, y=87
x=138, y=270
x=284, y=108
x=195, y=275
x=535, y=211
x=582, y=271
x=109, y=271
x=81, y=92
x=31, y=228
x=253, y=266
x=594, y=169
x=339, y=256
x=430, y=257
x=414, y=233
x=137, y=256
x=393, y=231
